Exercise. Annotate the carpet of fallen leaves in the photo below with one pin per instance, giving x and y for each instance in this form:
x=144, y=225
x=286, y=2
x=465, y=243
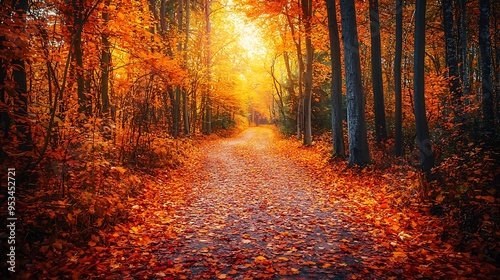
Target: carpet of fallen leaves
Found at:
x=259, y=207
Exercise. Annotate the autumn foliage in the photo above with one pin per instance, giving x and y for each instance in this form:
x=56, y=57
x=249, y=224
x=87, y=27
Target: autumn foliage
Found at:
x=122, y=121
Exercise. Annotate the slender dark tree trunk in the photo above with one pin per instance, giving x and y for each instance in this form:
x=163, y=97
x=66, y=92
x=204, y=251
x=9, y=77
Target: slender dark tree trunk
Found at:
x=105, y=63
x=194, y=112
x=358, y=143
x=163, y=17
x=208, y=116
x=398, y=118
x=486, y=65
x=177, y=101
x=464, y=48
x=290, y=84
x=337, y=130
x=377, y=83
x=78, y=9
x=451, y=55
x=496, y=65
x=4, y=114
x=298, y=47
x=307, y=11
x=184, y=92
x=423, y=138
x=21, y=119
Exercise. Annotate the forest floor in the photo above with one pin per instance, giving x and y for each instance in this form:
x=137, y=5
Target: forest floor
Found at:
x=259, y=207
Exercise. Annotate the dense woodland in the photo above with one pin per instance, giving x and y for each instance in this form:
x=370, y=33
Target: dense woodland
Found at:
x=98, y=97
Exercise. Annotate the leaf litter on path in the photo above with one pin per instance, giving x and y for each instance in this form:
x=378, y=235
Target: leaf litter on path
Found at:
x=259, y=207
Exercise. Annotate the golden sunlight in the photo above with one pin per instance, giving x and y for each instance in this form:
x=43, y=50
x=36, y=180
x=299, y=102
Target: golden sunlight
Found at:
x=248, y=33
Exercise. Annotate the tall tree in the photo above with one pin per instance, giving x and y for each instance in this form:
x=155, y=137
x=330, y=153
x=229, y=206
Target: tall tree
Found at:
x=105, y=61
x=377, y=84
x=298, y=46
x=21, y=116
x=398, y=118
x=307, y=11
x=185, y=101
x=423, y=139
x=76, y=30
x=208, y=103
x=358, y=143
x=4, y=114
x=337, y=130
x=486, y=65
x=177, y=98
x=451, y=54
x=464, y=49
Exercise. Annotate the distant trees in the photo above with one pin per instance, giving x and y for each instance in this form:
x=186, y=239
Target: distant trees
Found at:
x=173, y=68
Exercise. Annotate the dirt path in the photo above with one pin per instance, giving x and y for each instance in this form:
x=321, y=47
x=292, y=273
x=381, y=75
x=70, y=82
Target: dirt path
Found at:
x=256, y=214
x=247, y=210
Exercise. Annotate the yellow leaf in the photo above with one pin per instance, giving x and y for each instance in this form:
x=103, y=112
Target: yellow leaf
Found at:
x=327, y=265
x=399, y=254
x=120, y=169
x=222, y=276
x=260, y=259
x=294, y=270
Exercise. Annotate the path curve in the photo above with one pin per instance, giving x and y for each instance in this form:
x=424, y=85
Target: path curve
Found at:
x=248, y=209
x=257, y=214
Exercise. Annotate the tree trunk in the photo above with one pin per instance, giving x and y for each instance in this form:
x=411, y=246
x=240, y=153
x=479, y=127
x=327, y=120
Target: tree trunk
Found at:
x=208, y=117
x=4, y=114
x=105, y=62
x=163, y=19
x=184, y=92
x=398, y=118
x=451, y=55
x=337, y=130
x=377, y=83
x=83, y=106
x=307, y=10
x=176, y=112
x=496, y=65
x=194, y=112
x=177, y=101
x=423, y=139
x=300, y=61
x=279, y=93
x=21, y=119
x=464, y=48
x=290, y=84
x=358, y=143
x=486, y=65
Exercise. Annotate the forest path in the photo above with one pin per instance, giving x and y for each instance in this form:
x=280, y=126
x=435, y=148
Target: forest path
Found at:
x=259, y=207
x=256, y=214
